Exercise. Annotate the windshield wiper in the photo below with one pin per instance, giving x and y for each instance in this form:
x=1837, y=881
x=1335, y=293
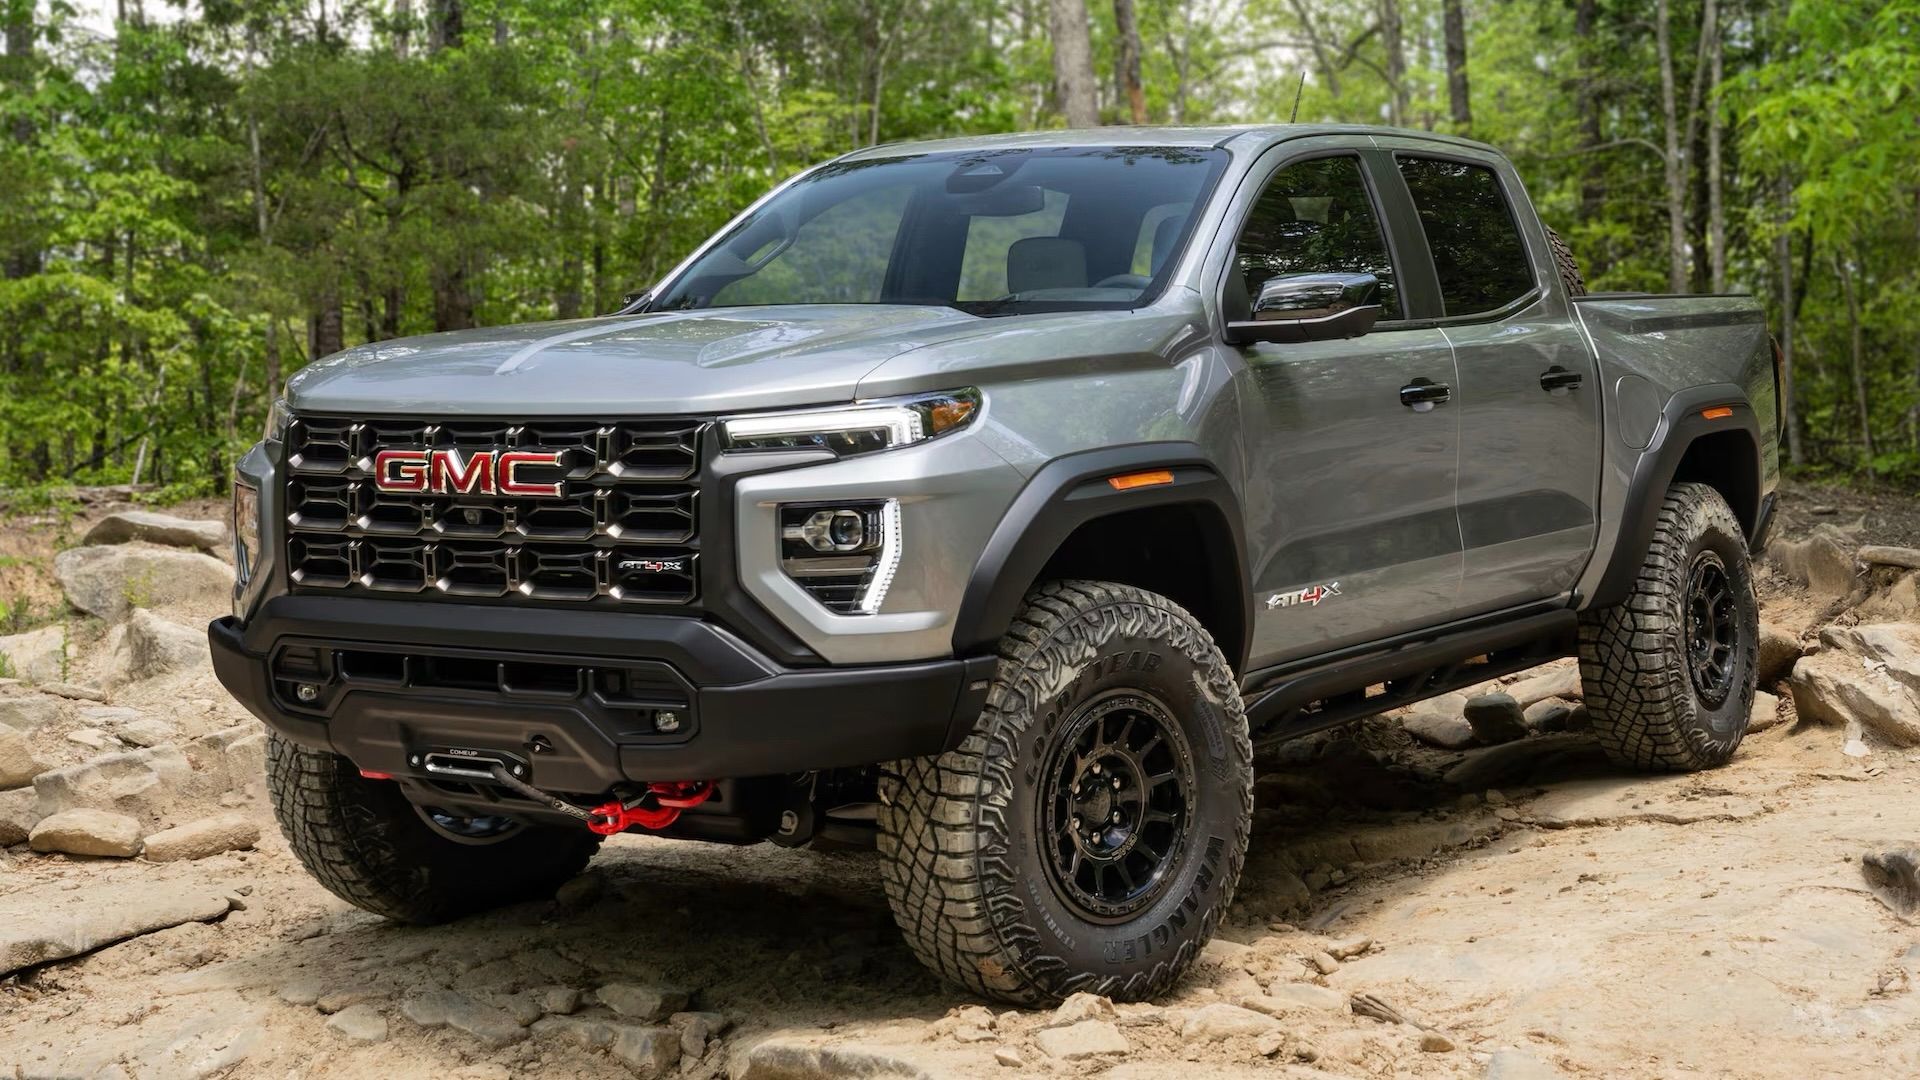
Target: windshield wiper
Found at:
x=986, y=308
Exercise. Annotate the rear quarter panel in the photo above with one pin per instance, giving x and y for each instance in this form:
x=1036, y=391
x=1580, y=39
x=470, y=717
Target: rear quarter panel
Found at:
x=1650, y=348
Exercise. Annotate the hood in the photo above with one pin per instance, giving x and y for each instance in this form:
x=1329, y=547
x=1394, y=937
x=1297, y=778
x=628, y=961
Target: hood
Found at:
x=664, y=364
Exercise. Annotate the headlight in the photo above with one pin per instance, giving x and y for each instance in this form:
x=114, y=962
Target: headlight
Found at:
x=277, y=419
x=246, y=535
x=855, y=429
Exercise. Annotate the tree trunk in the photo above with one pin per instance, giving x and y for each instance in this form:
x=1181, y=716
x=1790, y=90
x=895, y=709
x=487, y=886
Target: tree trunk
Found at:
x=22, y=254
x=1675, y=171
x=1593, y=191
x=326, y=327
x=452, y=297
x=1126, y=64
x=263, y=226
x=402, y=28
x=1073, y=83
x=446, y=25
x=1856, y=359
x=1457, y=97
x=1390, y=38
x=1716, y=179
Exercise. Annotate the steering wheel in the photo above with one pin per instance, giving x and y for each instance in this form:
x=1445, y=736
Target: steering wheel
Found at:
x=1123, y=281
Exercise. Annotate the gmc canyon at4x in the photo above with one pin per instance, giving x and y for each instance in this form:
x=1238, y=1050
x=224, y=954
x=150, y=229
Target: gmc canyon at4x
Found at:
x=989, y=501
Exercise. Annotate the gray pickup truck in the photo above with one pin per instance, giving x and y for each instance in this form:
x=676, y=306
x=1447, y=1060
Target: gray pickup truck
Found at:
x=989, y=502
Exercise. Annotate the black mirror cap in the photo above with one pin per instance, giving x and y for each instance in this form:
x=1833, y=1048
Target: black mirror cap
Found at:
x=1350, y=323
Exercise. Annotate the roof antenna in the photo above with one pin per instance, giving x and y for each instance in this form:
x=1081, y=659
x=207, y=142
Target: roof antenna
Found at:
x=1297, y=91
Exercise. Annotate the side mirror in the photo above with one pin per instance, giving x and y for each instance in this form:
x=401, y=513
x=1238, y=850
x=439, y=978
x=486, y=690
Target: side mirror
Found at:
x=1310, y=307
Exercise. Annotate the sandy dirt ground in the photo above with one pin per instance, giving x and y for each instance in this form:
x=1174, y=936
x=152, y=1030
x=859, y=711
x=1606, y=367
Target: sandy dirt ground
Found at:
x=1541, y=915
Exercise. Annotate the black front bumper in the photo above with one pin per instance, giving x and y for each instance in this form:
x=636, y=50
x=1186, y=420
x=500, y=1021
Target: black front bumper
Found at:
x=576, y=695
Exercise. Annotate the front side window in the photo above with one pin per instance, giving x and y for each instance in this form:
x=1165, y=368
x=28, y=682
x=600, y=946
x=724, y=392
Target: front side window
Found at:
x=1476, y=246
x=1315, y=217
x=991, y=232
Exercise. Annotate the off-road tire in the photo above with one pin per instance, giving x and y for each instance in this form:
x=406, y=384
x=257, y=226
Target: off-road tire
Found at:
x=1643, y=701
x=1563, y=261
x=362, y=840
x=962, y=847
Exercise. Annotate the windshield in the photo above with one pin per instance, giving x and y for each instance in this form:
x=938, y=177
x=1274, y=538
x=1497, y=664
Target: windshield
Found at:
x=993, y=232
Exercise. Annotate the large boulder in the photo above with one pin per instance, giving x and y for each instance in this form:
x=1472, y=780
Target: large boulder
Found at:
x=1556, y=682
x=156, y=528
x=1448, y=731
x=148, y=646
x=1897, y=601
x=1823, y=561
x=25, y=712
x=1765, y=714
x=18, y=766
x=1496, y=719
x=1880, y=555
x=1865, y=678
x=146, y=784
x=199, y=839
x=111, y=581
x=231, y=759
x=37, y=656
x=19, y=813
x=48, y=922
x=1779, y=648
x=88, y=832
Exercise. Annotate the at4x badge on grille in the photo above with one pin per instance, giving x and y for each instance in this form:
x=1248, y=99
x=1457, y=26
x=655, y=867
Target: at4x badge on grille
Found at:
x=1310, y=596
x=449, y=472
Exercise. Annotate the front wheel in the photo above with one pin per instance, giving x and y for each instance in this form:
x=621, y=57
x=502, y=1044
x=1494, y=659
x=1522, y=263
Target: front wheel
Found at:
x=369, y=846
x=1670, y=672
x=1088, y=833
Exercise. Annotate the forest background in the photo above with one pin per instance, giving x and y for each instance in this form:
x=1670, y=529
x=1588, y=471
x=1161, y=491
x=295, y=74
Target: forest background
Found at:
x=197, y=199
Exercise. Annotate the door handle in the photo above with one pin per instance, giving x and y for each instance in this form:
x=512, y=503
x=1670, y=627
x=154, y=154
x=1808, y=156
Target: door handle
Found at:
x=1556, y=379
x=1421, y=395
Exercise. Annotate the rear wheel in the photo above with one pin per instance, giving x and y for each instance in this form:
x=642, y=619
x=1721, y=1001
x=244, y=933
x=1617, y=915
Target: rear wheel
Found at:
x=1089, y=832
x=369, y=846
x=1563, y=261
x=1670, y=672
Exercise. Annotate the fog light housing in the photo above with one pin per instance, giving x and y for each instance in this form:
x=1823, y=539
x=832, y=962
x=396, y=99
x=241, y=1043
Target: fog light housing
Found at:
x=843, y=554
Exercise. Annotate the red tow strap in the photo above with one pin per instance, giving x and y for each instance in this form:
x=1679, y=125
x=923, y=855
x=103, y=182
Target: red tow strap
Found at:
x=670, y=798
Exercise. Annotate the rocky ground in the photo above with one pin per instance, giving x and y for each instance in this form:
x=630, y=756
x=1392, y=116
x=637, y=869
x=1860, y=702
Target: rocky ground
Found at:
x=1465, y=890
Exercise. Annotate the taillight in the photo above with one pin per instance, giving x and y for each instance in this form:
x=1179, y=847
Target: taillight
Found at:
x=1779, y=384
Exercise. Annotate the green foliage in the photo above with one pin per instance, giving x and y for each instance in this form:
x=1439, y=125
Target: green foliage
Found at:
x=193, y=208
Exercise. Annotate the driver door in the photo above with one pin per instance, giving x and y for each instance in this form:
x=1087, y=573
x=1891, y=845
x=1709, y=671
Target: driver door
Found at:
x=1351, y=494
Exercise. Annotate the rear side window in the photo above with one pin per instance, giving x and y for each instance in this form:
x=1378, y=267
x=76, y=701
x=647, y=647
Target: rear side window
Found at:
x=1476, y=246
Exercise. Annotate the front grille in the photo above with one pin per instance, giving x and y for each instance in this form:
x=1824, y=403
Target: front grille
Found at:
x=622, y=531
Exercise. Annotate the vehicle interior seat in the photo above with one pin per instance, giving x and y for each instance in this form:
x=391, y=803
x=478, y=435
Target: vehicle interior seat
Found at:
x=1046, y=262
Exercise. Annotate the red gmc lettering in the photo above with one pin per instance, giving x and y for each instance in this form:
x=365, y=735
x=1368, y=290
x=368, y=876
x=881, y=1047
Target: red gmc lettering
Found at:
x=400, y=470
x=508, y=468
x=448, y=472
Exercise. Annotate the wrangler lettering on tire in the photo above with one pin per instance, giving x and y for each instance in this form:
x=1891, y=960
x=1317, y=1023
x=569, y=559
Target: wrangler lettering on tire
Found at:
x=1089, y=832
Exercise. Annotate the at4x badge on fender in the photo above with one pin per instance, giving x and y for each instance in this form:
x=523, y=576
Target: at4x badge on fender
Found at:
x=1310, y=596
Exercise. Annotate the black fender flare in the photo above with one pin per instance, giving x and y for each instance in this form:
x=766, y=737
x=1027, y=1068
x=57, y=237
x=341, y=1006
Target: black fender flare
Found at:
x=1682, y=422
x=1071, y=491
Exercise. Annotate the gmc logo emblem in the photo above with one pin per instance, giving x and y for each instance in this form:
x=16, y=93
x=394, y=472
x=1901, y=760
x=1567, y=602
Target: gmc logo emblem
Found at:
x=449, y=472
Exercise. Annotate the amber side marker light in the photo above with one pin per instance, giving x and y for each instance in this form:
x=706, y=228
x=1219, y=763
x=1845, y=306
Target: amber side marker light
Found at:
x=1140, y=479
x=1719, y=413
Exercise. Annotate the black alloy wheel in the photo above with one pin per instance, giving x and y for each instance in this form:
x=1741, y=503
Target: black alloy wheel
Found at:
x=1712, y=629
x=1116, y=810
